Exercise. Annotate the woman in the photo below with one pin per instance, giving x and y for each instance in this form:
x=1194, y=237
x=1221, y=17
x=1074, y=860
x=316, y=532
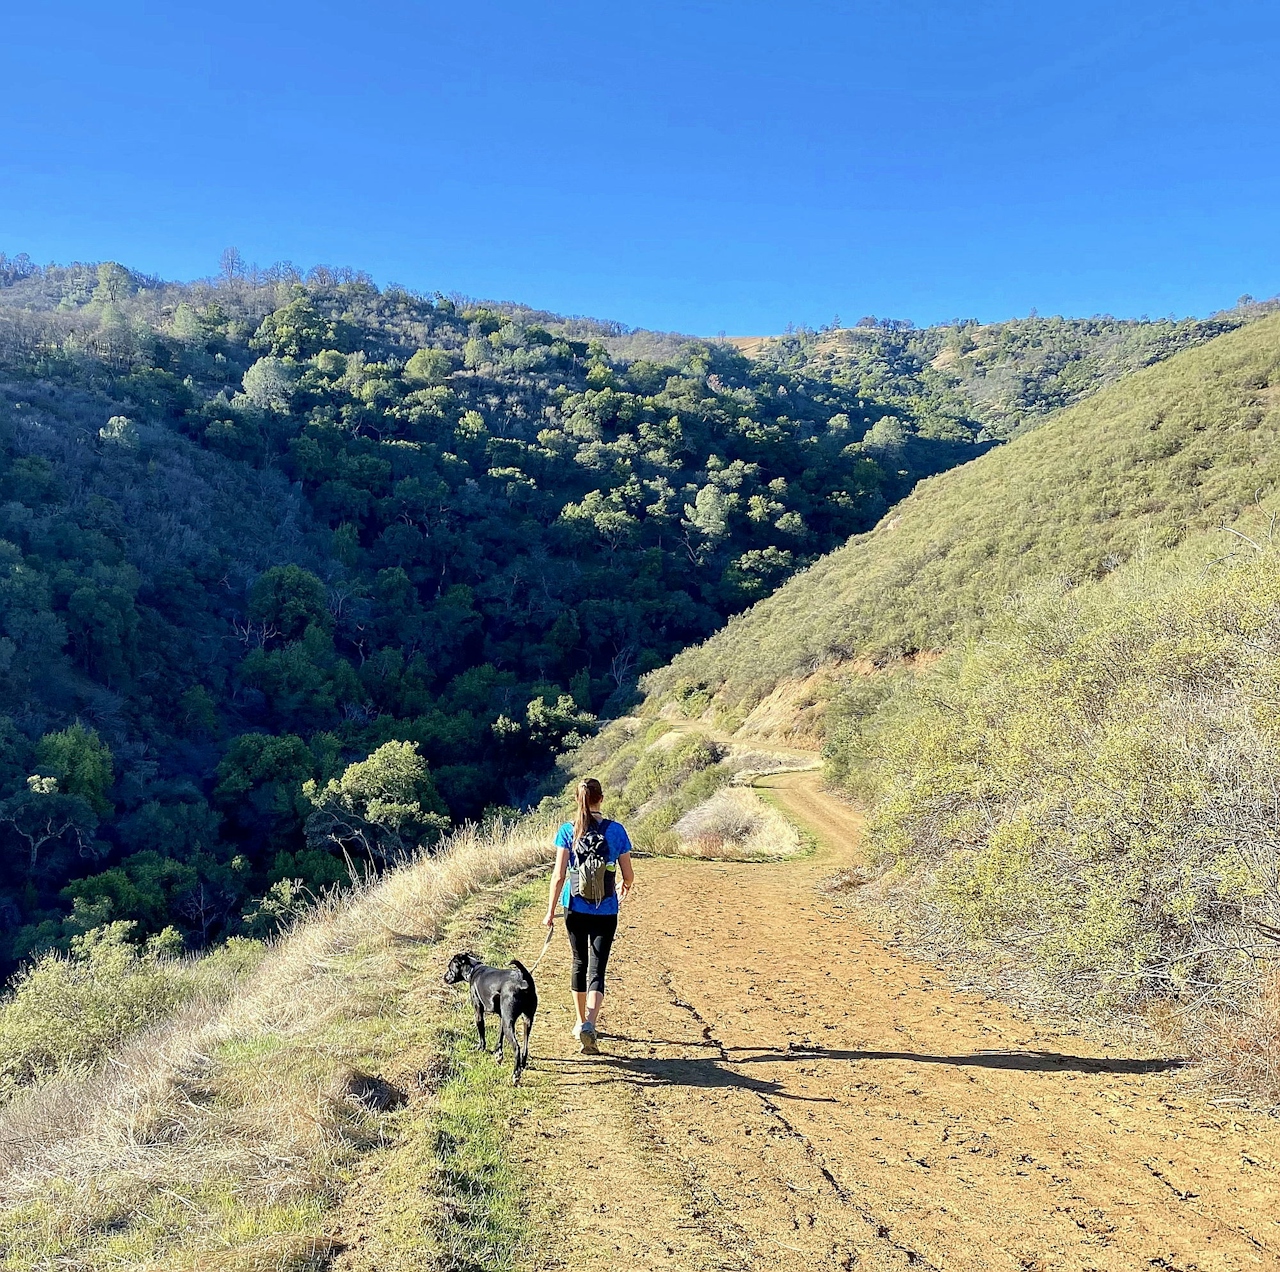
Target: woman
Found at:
x=591, y=852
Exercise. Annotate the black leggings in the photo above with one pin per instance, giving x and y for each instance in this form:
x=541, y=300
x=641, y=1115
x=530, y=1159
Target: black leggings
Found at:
x=590, y=939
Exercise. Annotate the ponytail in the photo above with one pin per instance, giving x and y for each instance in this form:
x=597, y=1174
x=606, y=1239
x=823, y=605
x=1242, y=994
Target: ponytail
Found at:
x=589, y=793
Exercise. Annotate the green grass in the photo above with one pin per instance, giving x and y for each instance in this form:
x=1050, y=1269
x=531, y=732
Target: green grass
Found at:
x=484, y=1194
x=46, y=1234
x=443, y=1193
x=250, y=1154
x=1169, y=450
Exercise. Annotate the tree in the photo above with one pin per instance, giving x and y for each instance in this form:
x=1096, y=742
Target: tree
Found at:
x=231, y=265
x=381, y=807
x=41, y=815
x=80, y=763
x=709, y=514
x=260, y=782
x=428, y=367
x=268, y=384
x=288, y=599
x=300, y=330
x=885, y=439
x=120, y=430
x=114, y=283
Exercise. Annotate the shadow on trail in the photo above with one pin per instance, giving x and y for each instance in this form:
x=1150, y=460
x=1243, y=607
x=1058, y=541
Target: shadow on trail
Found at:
x=1021, y=1061
x=720, y=1070
x=704, y=1074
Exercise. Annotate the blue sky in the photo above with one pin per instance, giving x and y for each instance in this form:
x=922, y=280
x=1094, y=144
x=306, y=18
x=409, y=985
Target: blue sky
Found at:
x=701, y=167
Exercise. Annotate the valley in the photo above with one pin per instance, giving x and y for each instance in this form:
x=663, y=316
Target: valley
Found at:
x=391, y=527
x=956, y=831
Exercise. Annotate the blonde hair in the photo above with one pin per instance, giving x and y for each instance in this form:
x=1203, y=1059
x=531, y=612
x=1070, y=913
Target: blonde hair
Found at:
x=588, y=795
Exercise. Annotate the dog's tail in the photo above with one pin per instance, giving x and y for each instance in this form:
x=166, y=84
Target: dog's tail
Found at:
x=523, y=970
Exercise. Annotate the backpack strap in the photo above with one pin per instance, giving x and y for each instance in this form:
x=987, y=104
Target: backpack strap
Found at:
x=600, y=823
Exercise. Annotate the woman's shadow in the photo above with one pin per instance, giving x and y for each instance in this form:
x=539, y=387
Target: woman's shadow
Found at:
x=717, y=1068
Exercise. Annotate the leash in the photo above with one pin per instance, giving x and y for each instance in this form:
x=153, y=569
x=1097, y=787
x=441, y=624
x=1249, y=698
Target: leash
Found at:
x=546, y=945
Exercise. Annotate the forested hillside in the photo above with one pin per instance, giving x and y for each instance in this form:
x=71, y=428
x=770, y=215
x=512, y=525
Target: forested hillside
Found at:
x=1184, y=445
x=258, y=529
x=1003, y=377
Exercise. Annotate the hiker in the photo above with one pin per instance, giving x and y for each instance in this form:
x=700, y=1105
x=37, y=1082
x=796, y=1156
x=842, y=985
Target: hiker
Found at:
x=591, y=852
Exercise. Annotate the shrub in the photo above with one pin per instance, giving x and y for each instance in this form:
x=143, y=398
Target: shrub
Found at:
x=735, y=825
x=66, y=1012
x=1092, y=790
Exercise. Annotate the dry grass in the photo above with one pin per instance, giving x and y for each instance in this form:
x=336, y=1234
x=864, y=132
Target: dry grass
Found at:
x=1242, y=1049
x=226, y=1132
x=735, y=824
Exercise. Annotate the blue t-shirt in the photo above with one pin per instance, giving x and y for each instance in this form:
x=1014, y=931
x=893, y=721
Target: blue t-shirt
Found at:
x=616, y=840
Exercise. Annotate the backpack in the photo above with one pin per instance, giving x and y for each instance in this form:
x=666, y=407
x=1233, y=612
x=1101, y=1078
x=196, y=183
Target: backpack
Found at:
x=591, y=879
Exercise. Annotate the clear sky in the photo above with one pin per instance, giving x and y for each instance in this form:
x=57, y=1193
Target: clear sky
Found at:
x=702, y=166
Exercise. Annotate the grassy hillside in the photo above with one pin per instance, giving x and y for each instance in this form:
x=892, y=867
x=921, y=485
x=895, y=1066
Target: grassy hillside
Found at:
x=1081, y=793
x=225, y=1136
x=1182, y=445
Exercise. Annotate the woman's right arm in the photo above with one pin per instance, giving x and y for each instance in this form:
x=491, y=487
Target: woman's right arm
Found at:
x=558, y=873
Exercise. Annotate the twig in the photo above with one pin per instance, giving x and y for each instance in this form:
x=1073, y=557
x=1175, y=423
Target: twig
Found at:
x=1241, y=535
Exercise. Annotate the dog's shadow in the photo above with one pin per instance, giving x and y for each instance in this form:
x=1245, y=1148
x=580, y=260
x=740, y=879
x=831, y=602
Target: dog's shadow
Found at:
x=719, y=1070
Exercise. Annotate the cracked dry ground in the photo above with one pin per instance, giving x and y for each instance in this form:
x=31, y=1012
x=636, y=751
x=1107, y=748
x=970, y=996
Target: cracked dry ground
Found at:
x=784, y=1089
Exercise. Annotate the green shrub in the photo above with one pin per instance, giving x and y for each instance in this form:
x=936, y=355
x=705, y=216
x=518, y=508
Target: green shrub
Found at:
x=1092, y=788
x=67, y=1011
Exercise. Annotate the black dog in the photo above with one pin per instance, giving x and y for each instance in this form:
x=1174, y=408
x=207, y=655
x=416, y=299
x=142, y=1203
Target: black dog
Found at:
x=508, y=992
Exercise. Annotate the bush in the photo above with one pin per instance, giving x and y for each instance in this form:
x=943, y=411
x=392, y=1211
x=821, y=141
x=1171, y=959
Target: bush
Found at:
x=735, y=825
x=67, y=1011
x=1092, y=790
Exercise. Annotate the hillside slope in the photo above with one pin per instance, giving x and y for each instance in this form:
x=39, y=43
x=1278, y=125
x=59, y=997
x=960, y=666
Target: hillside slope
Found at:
x=254, y=529
x=1179, y=446
x=1005, y=376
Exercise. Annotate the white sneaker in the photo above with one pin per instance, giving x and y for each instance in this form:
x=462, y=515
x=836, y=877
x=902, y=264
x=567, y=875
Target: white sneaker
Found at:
x=587, y=1039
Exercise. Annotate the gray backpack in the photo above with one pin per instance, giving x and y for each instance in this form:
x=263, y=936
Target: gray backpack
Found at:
x=591, y=879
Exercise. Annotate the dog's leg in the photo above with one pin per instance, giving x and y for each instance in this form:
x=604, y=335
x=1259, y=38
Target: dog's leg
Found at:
x=509, y=1032
x=522, y=1052
x=482, y=1045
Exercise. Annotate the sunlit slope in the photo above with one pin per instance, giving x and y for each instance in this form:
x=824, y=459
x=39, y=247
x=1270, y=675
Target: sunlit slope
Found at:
x=1178, y=446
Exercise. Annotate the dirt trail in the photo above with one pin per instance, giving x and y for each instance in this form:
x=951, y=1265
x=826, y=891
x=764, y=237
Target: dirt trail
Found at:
x=782, y=1089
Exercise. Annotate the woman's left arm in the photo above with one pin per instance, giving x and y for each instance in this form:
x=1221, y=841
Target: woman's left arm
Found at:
x=628, y=876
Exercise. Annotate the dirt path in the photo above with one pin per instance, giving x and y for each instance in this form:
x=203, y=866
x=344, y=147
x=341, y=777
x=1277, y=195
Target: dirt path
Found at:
x=782, y=1090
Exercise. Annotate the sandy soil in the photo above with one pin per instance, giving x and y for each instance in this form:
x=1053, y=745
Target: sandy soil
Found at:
x=783, y=1089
